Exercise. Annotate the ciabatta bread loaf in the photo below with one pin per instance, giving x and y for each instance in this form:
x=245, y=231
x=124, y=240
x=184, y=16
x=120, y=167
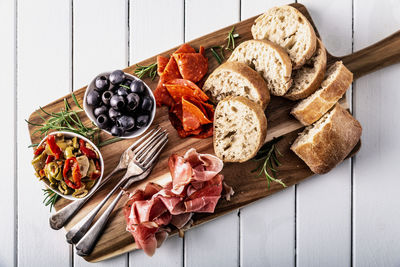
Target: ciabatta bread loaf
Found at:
x=287, y=27
x=337, y=79
x=268, y=59
x=328, y=142
x=236, y=79
x=308, y=78
x=240, y=128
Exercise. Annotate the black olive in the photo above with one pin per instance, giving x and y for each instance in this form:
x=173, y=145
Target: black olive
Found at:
x=142, y=120
x=102, y=83
x=117, y=131
x=93, y=98
x=147, y=103
x=113, y=114
x=102, y=121
x=106, y=97
x=137, y=87
x=117, y=76
x=125, y=122
x=117, y=102
x=122, y=91
x=133, y=101
x=100, y=110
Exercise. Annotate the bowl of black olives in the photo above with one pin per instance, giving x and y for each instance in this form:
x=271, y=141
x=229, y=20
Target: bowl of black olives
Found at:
x=120, y=104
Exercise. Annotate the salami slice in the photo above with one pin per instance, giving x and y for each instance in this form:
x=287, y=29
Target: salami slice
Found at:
x=192, y=66
x=161, y=64
x=185, y=48
x=193, y=117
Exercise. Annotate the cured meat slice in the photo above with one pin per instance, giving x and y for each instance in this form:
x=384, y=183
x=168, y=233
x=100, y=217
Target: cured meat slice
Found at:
x=192, y=66
x=161, y=64
x=192, y=116
x=197, y=92
x=205, y=166
x=185, y=48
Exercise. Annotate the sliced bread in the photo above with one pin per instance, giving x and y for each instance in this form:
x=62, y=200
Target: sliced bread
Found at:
x=268, y=59
x=236, y=79
x=337, y=79
x=240, y=128
x=328, y=142
x=287, y=27
x=308, y=78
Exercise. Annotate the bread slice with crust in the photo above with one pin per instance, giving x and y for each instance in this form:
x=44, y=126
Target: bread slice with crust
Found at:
x=269, y=60
x=240, y=128
x=236, y=79
x=289, y=28
x=328, y=142
x=337, y=79
x=308, y=78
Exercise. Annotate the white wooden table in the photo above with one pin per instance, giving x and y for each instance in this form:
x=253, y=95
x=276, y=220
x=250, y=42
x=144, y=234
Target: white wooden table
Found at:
x=350, y=216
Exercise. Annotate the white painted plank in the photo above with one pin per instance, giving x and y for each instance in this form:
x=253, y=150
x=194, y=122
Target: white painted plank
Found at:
x=7, y=70
x=215, y=243
x=324, y=202
x=267, y=227
x=156, y=26
x=376, y=167
x=43, y=75
x=100, y=44
x=100, y=38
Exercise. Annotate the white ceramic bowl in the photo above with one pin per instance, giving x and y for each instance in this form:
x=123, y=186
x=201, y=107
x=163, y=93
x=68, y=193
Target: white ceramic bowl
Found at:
x=93, y=189
x=89, y=110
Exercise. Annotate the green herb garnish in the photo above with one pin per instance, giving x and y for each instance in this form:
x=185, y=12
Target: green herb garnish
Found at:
x=50, y=198
x=68, y=119
x=268, y=155
x=218, y=51
x=150, y=70
x=125, y=86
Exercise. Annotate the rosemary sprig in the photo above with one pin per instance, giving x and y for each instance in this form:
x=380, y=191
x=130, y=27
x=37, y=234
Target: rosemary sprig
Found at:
x=150, y=70
x=68, y=119
x=218, y=51
x=268, y=155
x=50, y=198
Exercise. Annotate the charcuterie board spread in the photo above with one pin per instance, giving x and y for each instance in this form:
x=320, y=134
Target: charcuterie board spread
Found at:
x=247, y=185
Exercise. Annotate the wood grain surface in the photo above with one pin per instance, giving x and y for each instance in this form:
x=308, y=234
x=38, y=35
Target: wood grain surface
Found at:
x=116, y=240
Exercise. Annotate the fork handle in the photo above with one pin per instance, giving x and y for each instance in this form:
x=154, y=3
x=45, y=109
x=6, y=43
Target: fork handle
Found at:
x=61, y=217
x=87, y=243
x=79, y=230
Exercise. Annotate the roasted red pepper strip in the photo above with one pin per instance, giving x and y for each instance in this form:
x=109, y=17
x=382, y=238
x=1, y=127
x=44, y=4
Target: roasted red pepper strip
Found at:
x=88, y=152
x=38, y=151
x=97, y=172
x=49, y=159
x=76, y=173
x=51, y=141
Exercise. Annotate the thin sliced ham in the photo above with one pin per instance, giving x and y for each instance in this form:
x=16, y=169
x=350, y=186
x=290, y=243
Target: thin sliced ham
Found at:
x=196, y=187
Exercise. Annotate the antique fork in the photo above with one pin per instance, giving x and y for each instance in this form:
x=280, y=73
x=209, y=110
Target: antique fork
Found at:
x=142, y=158
x=61, y=217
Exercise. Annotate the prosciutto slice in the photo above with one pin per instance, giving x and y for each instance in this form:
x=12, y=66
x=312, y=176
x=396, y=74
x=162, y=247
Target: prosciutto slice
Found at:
x=196, y=187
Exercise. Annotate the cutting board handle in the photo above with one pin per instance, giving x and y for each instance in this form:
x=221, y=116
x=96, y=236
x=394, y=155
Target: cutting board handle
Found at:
x=379, y=55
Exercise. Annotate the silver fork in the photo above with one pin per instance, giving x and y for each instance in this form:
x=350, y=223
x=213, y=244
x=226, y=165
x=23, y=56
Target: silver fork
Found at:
x=61, y=217
x=142, y=158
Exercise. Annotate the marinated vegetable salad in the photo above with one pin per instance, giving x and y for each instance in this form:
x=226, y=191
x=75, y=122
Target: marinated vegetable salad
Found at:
x=120, y=104
x=69, y=165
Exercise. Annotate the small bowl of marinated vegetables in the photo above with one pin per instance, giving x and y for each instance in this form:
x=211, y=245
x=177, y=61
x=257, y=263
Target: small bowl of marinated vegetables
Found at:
x=120, y=104
x=69, y=164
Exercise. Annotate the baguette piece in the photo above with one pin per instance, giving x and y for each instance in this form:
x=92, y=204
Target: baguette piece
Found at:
x=337, y=79
x=289, y=28
x=236, y=79
x=328, y=142
x=308, y=78
x=268, y=59
x=240, y=128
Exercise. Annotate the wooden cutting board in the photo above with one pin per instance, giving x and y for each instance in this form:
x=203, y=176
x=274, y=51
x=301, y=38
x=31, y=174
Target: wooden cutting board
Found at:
x=248, y=188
